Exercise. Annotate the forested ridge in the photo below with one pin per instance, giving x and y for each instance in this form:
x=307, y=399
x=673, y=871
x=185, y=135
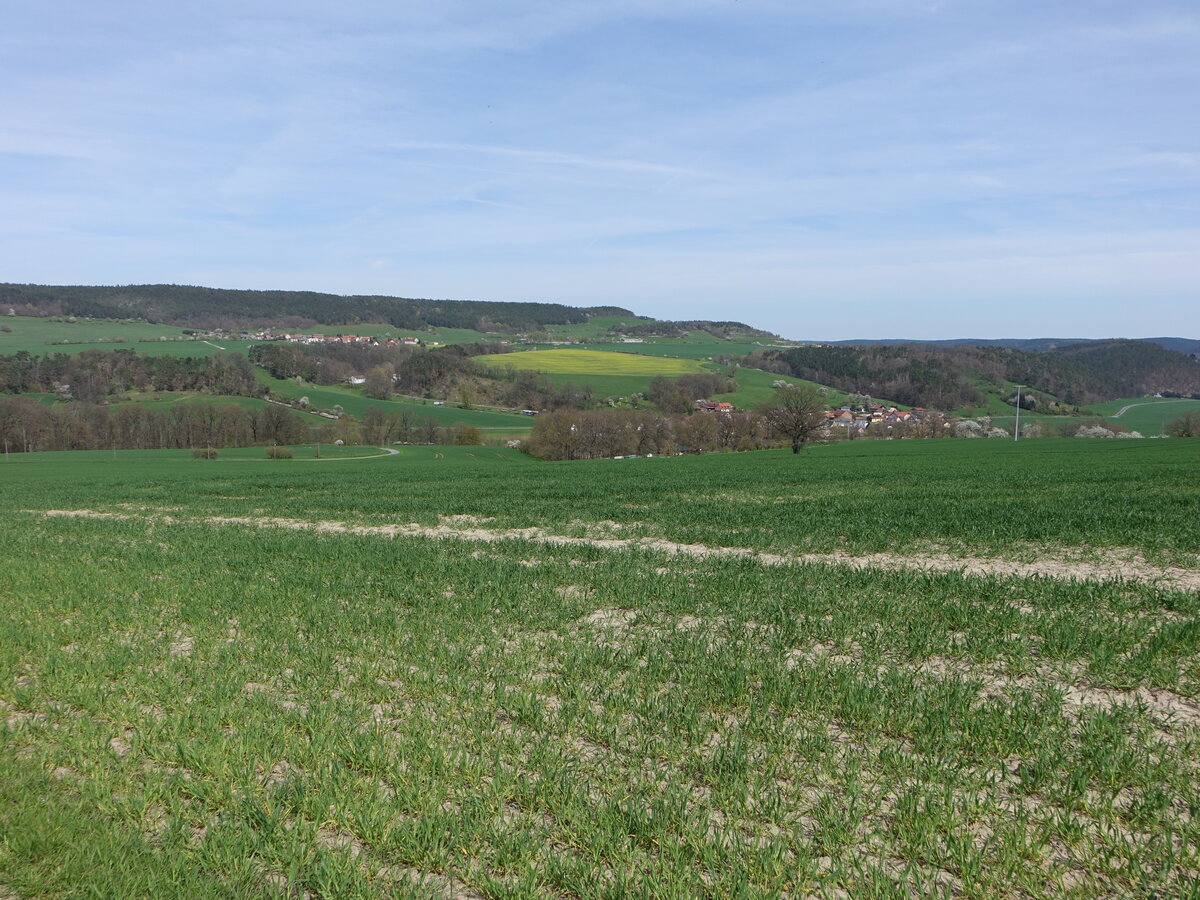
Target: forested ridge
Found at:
x=233, y=310
x=950, y=377
x=203, y=307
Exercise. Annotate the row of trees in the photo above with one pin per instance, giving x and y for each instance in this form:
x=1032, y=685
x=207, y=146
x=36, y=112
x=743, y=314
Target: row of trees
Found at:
x=604, y=433
x=380, y=426
x=26, y=425
x=795, y=416
x=677, y=395
x=96, y=374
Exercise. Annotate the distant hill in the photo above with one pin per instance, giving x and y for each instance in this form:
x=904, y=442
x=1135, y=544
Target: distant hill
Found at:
x=1034, y=345
x=202, y=307
x=952, y=376
x=1183, y=345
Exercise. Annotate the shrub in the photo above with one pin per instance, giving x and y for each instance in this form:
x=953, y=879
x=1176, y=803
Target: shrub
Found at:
x=1186, y=425
x=279, y=453
x=467, y=435
x=204, y=453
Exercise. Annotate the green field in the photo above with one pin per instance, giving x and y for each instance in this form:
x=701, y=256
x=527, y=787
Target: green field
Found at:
x=41, y=336
x=596, y=327
x=756, y=387
x=459, y=336
x=694, y=345
x=300, y=452
x=326, y=397
x=460, y=672
x=1148, y=415
x=30, y=333
x=167, y=399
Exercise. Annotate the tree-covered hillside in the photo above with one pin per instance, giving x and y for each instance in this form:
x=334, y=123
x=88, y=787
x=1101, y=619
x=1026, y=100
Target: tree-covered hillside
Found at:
x=233, y=309
x=949, y=377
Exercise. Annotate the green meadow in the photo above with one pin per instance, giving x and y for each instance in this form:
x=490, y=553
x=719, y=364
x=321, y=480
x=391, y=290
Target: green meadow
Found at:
x=877, y=669
x=1148, y=415
x=42, y=336
x=326, y=397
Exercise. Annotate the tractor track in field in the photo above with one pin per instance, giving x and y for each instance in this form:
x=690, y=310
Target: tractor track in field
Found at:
x=1107, y=566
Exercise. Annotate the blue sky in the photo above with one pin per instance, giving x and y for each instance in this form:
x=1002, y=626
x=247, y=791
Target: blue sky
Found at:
x=821, y=170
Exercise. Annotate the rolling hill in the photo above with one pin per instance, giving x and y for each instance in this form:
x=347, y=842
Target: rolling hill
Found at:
x=1059, y=375
x=952, y=377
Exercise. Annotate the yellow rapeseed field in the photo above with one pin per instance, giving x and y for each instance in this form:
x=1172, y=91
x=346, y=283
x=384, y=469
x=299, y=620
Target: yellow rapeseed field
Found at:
x=591, y=362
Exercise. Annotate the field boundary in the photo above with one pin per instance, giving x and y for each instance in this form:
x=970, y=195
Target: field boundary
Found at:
x=1116, y=565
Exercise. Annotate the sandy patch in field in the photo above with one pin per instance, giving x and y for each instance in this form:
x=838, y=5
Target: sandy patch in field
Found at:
x=1109, y=565
x=610, y=617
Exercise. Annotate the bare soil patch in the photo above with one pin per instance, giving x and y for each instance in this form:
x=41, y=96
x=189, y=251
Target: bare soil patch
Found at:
x=1111, y=565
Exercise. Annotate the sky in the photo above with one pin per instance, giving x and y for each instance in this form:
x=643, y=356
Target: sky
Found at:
x=825, y=171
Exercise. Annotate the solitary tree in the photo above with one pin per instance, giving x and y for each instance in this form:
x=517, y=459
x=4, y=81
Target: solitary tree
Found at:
x=796, y=412
x=378, y=385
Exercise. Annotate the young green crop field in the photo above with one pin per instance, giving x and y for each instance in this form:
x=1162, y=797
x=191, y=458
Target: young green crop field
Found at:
x=1148, y=415
x=42, y=336
x=756, y=387
x=33, y=334
x=168, y=399
x=877, y=669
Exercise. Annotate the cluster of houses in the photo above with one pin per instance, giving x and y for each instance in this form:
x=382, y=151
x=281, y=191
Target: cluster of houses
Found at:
x=341, y=339
x=301, y=338
x=874, y=415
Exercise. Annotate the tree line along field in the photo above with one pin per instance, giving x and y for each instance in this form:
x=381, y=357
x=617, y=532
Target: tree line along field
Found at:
x=879, y=669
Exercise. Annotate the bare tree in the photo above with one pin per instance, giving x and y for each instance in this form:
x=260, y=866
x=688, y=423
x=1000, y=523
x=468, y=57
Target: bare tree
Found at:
x=796, y=412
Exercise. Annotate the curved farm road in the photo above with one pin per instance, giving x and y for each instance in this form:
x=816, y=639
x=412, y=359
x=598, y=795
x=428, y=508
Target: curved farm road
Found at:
x=1109, y=565
x=1124, y=409
x=387, y=451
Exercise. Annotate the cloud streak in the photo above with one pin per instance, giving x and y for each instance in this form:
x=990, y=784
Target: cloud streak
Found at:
x=814, y=169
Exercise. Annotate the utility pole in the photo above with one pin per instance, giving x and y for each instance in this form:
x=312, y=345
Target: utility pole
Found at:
x=1017, y=427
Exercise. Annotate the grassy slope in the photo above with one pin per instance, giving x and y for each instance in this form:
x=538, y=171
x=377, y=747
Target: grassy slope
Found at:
x=756, y=387
x=40, y=337
x=167, y=399
x=1149, y=415
x=596, y=327
x=29, y=332
x=354, y=403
